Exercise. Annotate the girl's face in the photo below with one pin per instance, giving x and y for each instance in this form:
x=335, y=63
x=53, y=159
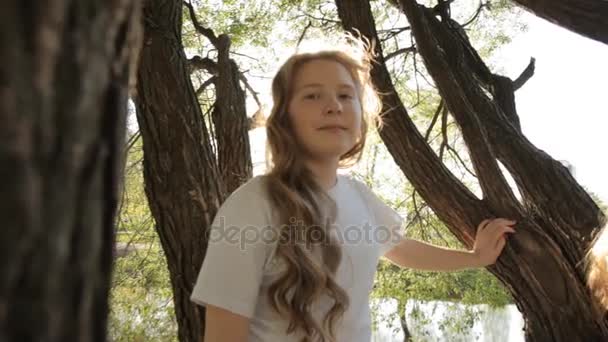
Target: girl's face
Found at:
x=325, y=109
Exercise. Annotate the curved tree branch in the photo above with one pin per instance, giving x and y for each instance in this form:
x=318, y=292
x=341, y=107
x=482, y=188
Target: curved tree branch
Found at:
x=525, y=75
x=199, y=63
x=454, y=203
x=207, y=32
x=476, y=15
x=585, y=17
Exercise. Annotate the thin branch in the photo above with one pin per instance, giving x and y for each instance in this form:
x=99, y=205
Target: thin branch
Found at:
x=437, y=232
x=132, y=140
x=426, y=79
x=309, y=25
x=205, y=84
x=470, y=21
x=130, y=167
x=393, y=32
x=323, y=20
x=244, y=55
x=207, y=32
x=417, y=216
x=423, y=219
x=399, y=51
x=262, y=77
x=416, y=77
x=525, y=75
x=420, y=101
x=325, y=15
x=457, y=155
x=434, y=120
x=208, y=120
x=250, y=88
x=444, y=131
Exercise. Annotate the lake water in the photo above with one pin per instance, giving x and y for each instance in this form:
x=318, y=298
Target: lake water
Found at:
x=443, y=321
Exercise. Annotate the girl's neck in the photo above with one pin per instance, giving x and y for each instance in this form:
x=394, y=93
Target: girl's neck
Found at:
x=324, y=171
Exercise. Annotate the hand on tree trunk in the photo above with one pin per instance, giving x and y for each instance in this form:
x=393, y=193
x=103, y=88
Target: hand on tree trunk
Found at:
x=491, y=239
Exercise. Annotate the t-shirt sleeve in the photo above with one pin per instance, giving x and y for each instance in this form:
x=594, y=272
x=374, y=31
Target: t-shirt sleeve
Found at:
x=232, y=271
x=389, y=225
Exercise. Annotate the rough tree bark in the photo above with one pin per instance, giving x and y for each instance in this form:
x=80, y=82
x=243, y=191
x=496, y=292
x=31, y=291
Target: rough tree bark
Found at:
x=541, y=264
x=185, y=183
x=230, y=121
x=64, y=72
x=229, y=115
x=586, y=17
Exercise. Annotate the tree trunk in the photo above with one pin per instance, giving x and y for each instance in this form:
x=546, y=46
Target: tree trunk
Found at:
x=230, y=121
x=407, y=335
x=540, y=265
x=183, y=182
x=64, y=72
x=586, y=17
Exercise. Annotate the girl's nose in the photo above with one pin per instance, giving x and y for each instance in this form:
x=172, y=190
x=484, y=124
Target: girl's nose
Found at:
x=334, y=106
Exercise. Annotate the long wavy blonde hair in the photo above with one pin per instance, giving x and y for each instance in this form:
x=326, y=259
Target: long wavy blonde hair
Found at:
x=597, y=270
x=306, y=212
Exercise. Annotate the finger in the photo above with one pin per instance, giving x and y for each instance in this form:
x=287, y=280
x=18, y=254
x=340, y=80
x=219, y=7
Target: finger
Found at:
x=505, y=229
x=505, y=222
x=484, y=224
x=502, y=230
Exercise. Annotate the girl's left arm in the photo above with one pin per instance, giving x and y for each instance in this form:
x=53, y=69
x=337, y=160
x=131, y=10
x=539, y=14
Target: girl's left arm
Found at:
x=489, y=242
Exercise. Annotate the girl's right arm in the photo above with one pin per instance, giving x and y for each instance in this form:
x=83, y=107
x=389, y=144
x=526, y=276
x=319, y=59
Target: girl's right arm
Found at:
x=224, y=326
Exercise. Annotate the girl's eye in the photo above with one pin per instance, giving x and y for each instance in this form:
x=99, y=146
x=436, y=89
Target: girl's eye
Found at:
x=346, y=96
x=312, y=96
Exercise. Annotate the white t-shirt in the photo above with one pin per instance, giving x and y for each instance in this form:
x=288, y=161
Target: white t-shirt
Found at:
x=240, y=263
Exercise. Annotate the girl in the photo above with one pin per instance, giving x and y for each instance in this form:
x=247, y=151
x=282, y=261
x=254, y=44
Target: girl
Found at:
x=292, y=254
